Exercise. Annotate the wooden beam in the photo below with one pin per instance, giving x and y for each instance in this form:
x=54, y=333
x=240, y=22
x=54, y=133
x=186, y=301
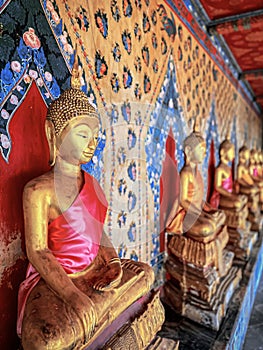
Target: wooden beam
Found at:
x=234, y=18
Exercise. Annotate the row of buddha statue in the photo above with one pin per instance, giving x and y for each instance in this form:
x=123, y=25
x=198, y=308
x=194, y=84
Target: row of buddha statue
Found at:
x=77, y=293
x=209, y=243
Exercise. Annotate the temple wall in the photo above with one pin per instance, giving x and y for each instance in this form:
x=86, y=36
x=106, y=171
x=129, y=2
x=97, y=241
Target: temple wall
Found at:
x=149, y=75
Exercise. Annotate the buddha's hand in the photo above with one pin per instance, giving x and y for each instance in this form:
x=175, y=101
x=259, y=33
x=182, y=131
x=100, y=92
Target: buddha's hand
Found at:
x=85, y=310
x=111, y=277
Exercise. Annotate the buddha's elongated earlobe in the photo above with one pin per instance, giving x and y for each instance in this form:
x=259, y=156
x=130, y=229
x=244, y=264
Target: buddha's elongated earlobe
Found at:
x=51, y=138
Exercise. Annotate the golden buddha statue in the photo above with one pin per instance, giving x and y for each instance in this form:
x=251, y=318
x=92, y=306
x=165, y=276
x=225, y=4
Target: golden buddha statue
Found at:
x=255, y=172
x=197, y=236
x=248, y=187
x=241, y=240
x=76, y=285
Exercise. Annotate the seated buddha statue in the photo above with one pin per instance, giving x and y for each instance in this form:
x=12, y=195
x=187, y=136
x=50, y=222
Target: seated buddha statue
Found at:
x=199, y=268
x=224, y=186
x=75, y=284
x=248, y=186
x=241, y=239
x=255, y=171
x=193, y=217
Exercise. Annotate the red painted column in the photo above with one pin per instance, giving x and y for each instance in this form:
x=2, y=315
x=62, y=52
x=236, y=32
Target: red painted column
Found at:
x=28, y=159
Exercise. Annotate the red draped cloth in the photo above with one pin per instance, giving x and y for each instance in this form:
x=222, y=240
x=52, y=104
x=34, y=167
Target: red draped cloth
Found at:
x=227, y=184
x=73, y=237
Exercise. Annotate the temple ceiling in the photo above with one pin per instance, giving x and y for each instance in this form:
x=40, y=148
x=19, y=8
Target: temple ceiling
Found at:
x=238, y=26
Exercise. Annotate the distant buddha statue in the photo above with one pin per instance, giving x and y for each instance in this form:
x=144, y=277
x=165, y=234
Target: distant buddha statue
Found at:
x=248, y=187
x=193, y=217
x=241, y=240
x=224, y=184
x=76, y=285
x=255, y=172
x=198, y=265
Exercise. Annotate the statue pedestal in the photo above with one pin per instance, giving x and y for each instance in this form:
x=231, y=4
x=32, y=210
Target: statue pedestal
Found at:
x=135, y=328
x=232, y=332
x=196, y=289
x=241, y=239
x=241, y=242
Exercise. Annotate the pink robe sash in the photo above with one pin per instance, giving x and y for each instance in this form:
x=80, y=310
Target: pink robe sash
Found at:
x=227, y=184
x=73, y=238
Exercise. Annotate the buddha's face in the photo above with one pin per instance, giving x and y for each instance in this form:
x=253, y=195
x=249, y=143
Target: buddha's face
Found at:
x=78, y=140
x=230, y=154
x=197, y=154
x=244, y=155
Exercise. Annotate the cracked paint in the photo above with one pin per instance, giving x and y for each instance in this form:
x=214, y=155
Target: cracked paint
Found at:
x=9, y=254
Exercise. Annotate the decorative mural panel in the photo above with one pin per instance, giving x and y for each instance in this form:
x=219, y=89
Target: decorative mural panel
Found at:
x=146, y=72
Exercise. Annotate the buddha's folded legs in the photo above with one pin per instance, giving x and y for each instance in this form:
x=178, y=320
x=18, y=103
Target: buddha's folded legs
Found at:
x=51, y=324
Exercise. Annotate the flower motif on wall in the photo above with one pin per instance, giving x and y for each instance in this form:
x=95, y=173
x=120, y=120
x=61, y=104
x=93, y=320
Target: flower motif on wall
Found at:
x=138, y=91
x=132, y=232
x=126, y=111
x=138, y=4
x=31, y=39
x=5, y=143
x=131, y=139
x=126, y=40
x=5, y=114
x=138, y=64
x=146, y=25
x=131, y=201
x=115, y=10
x=163, y=46
x=146, y=84
x=82, y=19
x=115, y=82
x=122, y=187
x=126, y=77
x=155, y=66
x=114, y=113
x=16, y=66
x=127, y=8
x=100, y=65
x=116, y=52
x=137, y=31
x=122, y=218
x=145, y=55
x=132, y=172
x=101, y=21
x=121, y=156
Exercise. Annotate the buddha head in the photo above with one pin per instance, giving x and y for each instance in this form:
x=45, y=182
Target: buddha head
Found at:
x=195, y=148
x=243, y=154
x=227, y=151
x=72, y=125
x=253, y=156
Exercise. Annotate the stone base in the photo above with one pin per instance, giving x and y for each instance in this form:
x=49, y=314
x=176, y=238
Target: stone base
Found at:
x=137, y=332
x=241, y=242
x=199, y=282
x=207, y=313
x=232, y=332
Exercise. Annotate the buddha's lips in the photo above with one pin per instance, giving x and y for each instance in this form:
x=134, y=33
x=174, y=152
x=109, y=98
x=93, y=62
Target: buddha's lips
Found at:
x=88, y=154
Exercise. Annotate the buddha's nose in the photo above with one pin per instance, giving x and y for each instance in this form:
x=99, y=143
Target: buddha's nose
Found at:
x=92, y=144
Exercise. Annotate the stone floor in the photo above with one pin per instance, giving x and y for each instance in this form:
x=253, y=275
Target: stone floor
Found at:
x=254, y=336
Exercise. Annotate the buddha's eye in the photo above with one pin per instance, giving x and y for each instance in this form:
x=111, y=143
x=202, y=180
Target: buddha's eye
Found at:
x=83, y=136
